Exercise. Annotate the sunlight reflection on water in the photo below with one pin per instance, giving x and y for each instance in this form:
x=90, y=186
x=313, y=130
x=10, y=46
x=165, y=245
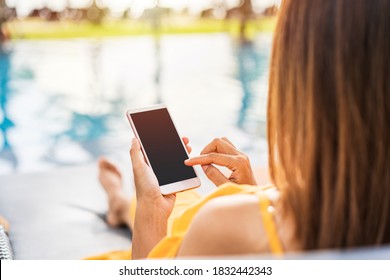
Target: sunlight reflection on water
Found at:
x=64, y=102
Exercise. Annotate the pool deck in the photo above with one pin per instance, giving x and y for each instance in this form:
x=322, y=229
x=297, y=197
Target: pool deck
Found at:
x=57, y=214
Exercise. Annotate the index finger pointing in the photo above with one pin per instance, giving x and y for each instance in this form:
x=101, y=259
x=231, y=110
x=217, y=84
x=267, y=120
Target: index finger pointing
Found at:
x=212, y=158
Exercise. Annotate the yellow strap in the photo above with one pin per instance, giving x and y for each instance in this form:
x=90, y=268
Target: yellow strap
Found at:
x=269, y=225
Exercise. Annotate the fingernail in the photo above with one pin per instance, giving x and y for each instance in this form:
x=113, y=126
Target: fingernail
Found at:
x=187, y=161
x=133, y=141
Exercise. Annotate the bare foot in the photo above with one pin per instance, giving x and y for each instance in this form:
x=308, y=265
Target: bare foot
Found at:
x=118, y=204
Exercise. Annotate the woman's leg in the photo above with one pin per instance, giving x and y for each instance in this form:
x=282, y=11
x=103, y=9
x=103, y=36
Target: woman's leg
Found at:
x=110, y=178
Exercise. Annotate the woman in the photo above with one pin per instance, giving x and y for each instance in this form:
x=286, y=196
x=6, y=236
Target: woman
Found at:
x=329, y=150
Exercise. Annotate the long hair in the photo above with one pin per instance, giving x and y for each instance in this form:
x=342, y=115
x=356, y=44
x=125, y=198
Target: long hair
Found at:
x=329, y=120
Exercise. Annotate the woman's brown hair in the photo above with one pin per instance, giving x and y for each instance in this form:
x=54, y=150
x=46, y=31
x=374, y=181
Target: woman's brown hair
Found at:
x=329, y=120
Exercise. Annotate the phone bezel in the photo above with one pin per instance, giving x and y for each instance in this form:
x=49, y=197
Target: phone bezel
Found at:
x=179, y=186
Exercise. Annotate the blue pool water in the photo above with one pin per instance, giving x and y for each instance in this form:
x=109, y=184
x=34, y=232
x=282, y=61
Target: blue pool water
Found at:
x=64, y=102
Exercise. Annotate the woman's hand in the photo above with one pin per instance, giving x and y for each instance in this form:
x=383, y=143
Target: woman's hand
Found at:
x=223, y=153
x=146, y=184
x=153, y=208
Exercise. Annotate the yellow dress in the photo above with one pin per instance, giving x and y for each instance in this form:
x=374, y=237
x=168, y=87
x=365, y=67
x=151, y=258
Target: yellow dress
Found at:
x=187, y=205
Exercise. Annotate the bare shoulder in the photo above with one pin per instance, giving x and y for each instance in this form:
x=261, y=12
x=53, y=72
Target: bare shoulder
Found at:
x=226, y=226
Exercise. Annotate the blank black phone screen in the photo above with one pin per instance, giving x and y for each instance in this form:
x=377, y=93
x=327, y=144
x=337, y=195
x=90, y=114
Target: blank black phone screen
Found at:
x=163, y=146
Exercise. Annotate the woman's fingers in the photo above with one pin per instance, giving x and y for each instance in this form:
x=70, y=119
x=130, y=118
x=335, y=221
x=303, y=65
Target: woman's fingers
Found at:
x=214, y=175
x=212, y=158
x=186, y=141
x=227, y=140
x=222, y=152
x=219, y=145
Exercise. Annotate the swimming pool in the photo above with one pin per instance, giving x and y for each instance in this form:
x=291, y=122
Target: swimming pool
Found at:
x=64, y=102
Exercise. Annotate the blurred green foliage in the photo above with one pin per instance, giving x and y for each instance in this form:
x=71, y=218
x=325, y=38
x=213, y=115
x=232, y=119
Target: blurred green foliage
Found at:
x=36, y=29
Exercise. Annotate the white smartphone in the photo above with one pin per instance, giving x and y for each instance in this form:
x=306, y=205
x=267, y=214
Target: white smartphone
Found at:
x=163, y=148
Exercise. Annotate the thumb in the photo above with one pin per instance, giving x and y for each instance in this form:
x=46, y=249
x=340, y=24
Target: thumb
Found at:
x=135, y=154
x=214, y=175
